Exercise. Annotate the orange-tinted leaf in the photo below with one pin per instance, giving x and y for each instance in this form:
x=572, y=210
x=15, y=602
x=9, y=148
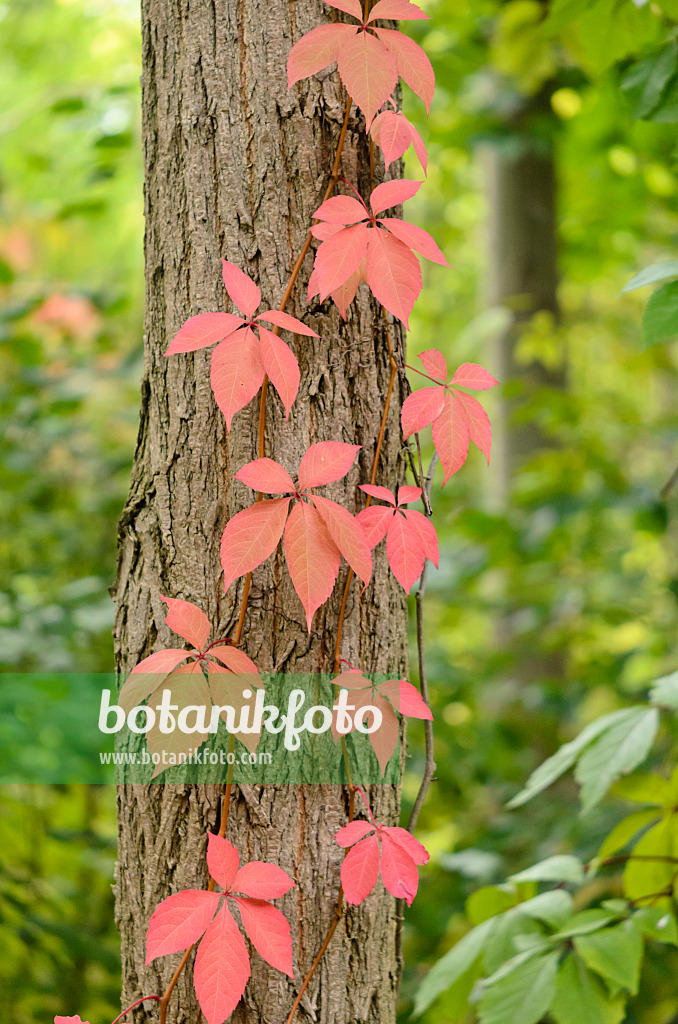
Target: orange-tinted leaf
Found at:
x=348, y=535
x=312, y=558
x=188, y=621
x=222, y=968
x=325, y=462
x=237, y=372
x=203, y=330
x=451, y=436
x=385, y=738
x=281, y=365
x=148, y=675
x=393, y=274
x=368, y=71
x=413, y=65
x=251, y=537
x=316, y=50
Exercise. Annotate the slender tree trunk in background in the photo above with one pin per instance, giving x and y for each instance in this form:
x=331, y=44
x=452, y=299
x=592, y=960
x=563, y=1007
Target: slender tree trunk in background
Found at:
x=523, y=279
x=235, y=166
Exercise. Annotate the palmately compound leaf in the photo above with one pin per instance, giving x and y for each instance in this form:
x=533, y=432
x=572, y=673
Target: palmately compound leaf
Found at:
x=614, y=953
x=582, y=999
x=616, y=752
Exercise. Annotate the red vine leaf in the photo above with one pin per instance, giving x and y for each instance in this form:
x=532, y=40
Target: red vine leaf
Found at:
x=269, y=932
x=189, y=621
x=394, y=134
x=222, y=968
x=69, y=1020
x=317, y=533
x=368, y=71
x=179, y=921
x=396, y=10
x=413, y=65
x=237, y=372
x=312, y=558
x=203, y=330
x=148, y=675
x=351, y=7
x=282, y=367
x=242, y=291
x=405, y=698
x=232, y=690
x=188, y=692
x=457, y=418
x=286, y=322
x=222, y=965
x=360, y=870
x=314, y=51
x=378, y=251
x=261, y=881
x=401, y=853
x=410, y=537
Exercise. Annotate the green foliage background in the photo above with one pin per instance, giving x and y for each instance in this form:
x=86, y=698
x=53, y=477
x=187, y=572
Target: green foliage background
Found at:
x=577, y=577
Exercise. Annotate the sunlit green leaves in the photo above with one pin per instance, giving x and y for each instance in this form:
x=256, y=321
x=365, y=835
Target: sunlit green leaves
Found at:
x=522, y=996
x=581, y=997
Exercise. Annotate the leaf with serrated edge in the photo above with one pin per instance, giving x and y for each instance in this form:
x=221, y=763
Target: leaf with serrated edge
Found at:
x=286, y=322
x=223, y=860
x=338, y=258
x=266, y=475
x=396, y=10
x=393, y=273
x=281, y=365
x=228, y=691
x=242, y=291
x=393, y=193
x=413, y=65
x=360, y=870
x=269, y=933
x=341, y=210
x=421, y=408
x=385, y=738
x=251, y=537
x=188, y=689
x=451, y=436
x=382, y=493
x=415, y=238
x=262, y=881
x=326, y=462
x=405, y=698
x=236, y=372
x=415, y=849
x=352, y=833
x=434, y=363
x=408, y=494
x=398, y=871
x=375, y=521
x=368, y=72
x=179, y=921
x=188, y=621
x=393, y=134
x=474, y=377
x=405, y=552
x=316, y=50
x=348, y=535
x=479, y=423
x=424, y=528
x=203, y=330
x=222, y=968
x=351, y=7
x=148, y=675
x=312, y=558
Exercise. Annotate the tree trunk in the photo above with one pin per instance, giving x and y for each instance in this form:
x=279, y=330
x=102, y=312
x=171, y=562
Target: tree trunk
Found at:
x=235, y=166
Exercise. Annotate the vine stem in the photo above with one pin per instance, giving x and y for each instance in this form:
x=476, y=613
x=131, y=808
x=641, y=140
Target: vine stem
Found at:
x=144, y=999
x=225, y=807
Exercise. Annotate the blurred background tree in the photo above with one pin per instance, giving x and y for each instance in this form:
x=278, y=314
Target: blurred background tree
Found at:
x=551, y=182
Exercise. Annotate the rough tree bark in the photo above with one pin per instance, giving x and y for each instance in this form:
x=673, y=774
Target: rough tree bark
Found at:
x=235, y=166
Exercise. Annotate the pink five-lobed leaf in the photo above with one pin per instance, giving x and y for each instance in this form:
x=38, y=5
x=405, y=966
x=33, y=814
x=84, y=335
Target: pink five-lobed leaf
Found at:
x=360, y=870
x=353, y=832
x=222, y=968
x=451, y=436
x=479, y=423
x=393, y=193
x=262, y=881
x=415, y=238
x=405, y=698
x=189, y=621
x=393, y=274
x=474, y=377
x=434, y=363
x=369, y=72
x=396, y=10
x=267, y=476
x=394, y=134
x=269, y=932
x=325, y=462
x=203, y=330
x=242, y=290
x=398, y=870
x=286, y=322
x=314, y=51
x=421, y=408
x=237, y=372
x=348, y=536
x=251, y=536
x=412, y=64
x=223, y=860
x=281, y=365
x=179, y=921
x=312, y=558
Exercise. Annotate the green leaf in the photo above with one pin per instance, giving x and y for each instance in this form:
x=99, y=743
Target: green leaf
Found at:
x=615, y=953
x=488, y=902
x=456, y=962
x=553, y=907
x=664, y=693
x=561, y=868
x=558, y=763
x=523, y=996
x=645, y=878
x=618, y=751
x=660, y=322
x=652, y=274
x=657, y=923
x=507, y=939
x=642, y=788
x=646, y=83
x=624, y=831
x=584, y=922
x=581, y=999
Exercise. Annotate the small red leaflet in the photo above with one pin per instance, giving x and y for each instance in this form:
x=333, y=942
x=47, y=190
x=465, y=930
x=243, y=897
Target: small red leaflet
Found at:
x=394, y=134
x=410, y=536
x=457, y=418
x=392, y=848
x=231, y=673
x=394, y=693
x=69, y=1020
x=242, y=358
x=358, y=245
x=369, y=59
x=222, y=965
x=317, y=530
